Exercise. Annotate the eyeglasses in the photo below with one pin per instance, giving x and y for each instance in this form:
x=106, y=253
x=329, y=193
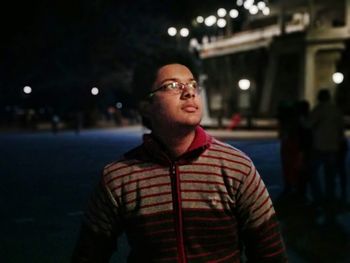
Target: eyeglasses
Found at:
x=178, y=87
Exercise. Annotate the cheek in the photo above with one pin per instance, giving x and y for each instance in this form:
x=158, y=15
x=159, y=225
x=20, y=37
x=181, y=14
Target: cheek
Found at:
x=165, y=104
x=163, y=108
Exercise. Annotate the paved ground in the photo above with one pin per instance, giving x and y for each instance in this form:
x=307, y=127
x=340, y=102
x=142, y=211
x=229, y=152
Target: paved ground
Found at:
x=46, y=180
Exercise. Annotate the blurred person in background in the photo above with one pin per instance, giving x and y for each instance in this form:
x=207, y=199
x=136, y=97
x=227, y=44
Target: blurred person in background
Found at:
x=290, y=149
x=305, y=143
x=327, y=126
x=342, y=171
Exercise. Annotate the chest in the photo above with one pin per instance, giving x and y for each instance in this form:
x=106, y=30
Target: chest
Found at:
x=160, y=189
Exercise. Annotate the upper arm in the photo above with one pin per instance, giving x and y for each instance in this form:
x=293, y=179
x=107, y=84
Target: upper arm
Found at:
x=259, y=226
x=100, y=229
x=102, y=214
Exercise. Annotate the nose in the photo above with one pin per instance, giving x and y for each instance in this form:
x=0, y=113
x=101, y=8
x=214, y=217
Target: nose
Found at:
x=188, y=92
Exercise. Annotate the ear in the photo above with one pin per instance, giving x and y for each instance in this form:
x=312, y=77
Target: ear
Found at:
x=145, y=108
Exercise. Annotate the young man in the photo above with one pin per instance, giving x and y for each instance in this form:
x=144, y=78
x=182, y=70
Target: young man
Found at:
x=181, y=196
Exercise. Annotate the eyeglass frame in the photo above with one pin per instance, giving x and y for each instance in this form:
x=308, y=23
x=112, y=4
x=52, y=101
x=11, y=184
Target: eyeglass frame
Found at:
x=197, y=89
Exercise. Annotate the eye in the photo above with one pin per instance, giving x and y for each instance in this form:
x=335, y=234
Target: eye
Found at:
x=193, y=85
x=172, y=85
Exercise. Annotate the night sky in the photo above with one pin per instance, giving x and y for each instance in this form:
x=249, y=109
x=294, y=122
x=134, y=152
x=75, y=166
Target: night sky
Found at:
x=61, y=48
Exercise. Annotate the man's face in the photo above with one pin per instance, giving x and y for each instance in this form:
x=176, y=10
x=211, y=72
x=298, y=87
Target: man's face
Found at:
x=170, y=110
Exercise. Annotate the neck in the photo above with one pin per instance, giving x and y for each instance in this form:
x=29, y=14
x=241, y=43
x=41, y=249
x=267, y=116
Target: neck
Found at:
x=177, y=142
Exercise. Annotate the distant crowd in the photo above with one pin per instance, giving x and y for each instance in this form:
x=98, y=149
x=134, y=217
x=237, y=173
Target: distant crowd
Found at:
x=313, y=153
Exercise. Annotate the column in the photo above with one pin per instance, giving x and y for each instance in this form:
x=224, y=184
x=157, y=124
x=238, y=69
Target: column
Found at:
x=268, y=84
x=309, y=84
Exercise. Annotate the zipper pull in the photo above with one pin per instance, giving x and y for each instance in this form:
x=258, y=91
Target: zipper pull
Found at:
x=173, y=169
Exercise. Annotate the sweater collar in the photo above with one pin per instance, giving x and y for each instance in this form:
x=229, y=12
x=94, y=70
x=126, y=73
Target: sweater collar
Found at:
x=159, y=152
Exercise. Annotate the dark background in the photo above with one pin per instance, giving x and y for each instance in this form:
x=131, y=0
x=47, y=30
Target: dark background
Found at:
x=63, y=48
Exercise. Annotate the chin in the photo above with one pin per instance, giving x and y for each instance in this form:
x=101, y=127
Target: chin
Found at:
x=191, y=123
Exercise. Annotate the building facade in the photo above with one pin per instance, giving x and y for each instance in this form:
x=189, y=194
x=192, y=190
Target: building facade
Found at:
x=287, y=56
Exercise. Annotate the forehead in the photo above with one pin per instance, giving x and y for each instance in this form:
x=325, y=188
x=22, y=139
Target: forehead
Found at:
x=173, y=71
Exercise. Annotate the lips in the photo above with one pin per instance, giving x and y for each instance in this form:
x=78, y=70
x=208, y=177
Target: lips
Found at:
x=190, y=107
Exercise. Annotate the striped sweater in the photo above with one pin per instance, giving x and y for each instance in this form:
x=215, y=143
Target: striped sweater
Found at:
x=205, y=206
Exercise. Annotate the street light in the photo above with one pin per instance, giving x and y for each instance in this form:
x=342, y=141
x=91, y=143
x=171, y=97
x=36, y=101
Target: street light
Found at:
x=119, y=105
x=210, y=20
x=245, y=100
x=239, y=2
x=200, y=19
x=178, y=34
x=221, y=12
x=94, y=91
x=221, y=22
x=337, y=77
x=244, y=84
x=172, y=31
x=217, y=21
x=248, y=4
x=233, y=13
x=253, y=10
x=27, y=90
x=266, y=11
x=261, y=5
x=184, y=32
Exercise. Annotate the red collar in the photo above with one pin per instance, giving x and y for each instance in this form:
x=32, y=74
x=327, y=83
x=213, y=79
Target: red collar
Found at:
x=158, y=153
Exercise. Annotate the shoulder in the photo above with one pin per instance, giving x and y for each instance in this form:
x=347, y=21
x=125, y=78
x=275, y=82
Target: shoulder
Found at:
x=229, y=155
x=225, y=148
x=123, y=165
